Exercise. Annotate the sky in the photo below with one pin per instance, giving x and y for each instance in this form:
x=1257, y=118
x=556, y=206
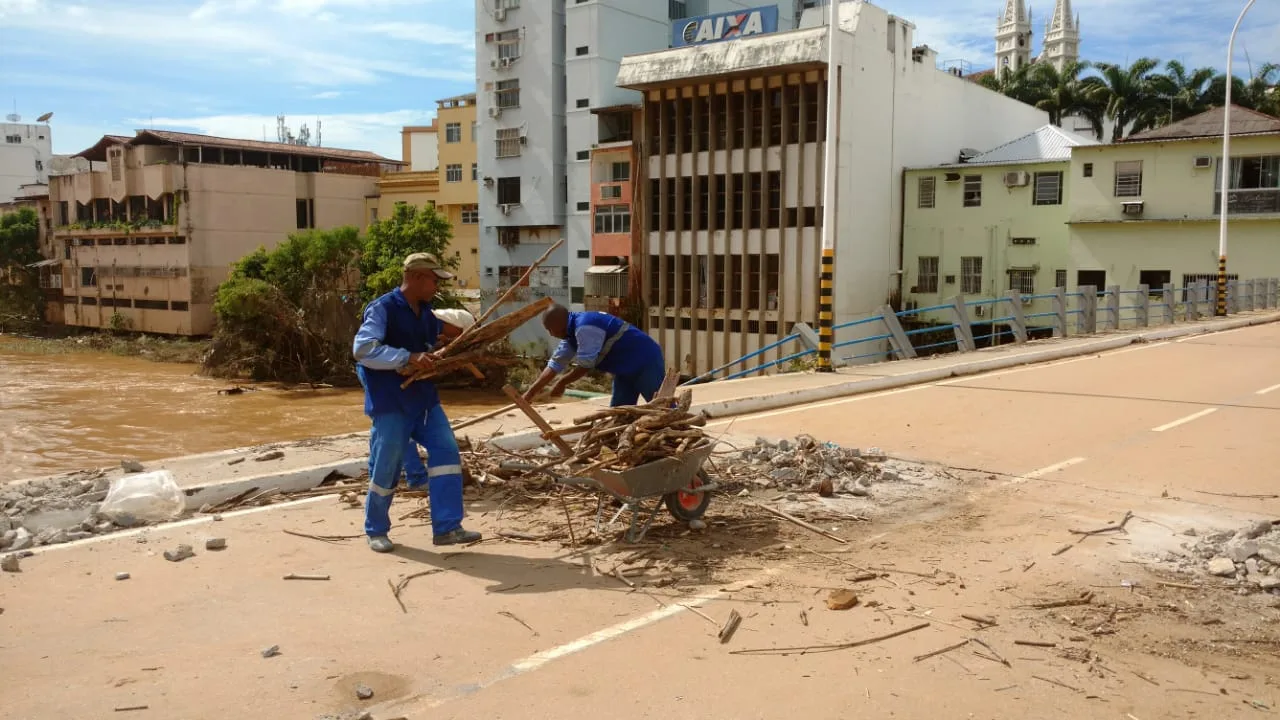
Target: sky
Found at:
x=366, y=68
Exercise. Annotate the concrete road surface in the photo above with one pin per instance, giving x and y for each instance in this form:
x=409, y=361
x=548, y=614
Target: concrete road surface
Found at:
x=1178, y=433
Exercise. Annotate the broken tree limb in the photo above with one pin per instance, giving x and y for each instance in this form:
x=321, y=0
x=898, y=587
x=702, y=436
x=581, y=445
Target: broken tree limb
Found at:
x=801, y=523
x=730, y=626
x=981, y=620
x=543, y=425
x=294, y=576
x=399, y=587
x=511, y=291
x=1035, y=643
x=322, y=538
x=998, y=658
x=1118, y=527
x=807, y=649
x=940, y=651
x=481, y=418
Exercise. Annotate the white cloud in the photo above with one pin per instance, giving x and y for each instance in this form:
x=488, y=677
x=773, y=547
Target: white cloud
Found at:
x=376, y=132
x=327, y=95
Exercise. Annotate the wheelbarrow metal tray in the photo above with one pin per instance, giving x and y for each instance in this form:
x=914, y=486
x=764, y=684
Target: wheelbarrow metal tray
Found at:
x=657, y=477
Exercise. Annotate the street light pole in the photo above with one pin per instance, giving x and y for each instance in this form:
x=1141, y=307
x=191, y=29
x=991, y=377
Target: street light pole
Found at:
x=1225, y=188
x=826, y=276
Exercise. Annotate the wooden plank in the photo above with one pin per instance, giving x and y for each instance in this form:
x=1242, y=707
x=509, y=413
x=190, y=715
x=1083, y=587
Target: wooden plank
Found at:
x=543, y=425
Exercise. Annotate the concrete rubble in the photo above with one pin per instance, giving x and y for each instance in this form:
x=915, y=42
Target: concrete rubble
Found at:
x=53, y=511
x=1250, y=556
x=806, y=465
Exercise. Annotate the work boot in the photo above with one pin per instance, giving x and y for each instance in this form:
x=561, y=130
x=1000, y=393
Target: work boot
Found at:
x=457, y=537
x=381, y=544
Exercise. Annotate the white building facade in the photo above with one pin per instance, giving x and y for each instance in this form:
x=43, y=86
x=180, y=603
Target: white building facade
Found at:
x=25, y=152
x=542, y=68
x=733, y=175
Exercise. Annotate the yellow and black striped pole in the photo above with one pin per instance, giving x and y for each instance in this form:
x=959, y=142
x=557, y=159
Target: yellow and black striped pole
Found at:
x=826, y=315
x=1221, y=310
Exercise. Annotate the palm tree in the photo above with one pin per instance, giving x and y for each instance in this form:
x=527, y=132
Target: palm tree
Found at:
x=1063, y=92
x=1260, y=92
x=1020, y=84
x=1184, y=93
x=1131, y=104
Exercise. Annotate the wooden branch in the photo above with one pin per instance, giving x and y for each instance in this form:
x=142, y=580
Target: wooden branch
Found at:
x=797, y=521
x=935, y=653
x=548, y=431
x=512, y=290
x=482, y=418
x=829, y=648
x=1118, y=527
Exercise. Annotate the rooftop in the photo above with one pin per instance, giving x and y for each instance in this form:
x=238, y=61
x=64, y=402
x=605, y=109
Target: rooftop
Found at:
x=1208, y=124
x=167, y=137
x=1049, y=143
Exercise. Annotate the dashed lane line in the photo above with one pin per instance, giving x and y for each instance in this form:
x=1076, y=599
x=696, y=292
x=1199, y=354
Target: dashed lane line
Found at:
x=1185, y=420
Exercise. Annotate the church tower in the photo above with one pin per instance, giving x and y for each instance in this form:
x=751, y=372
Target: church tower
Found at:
x=1061, y=36
x=1013, y=36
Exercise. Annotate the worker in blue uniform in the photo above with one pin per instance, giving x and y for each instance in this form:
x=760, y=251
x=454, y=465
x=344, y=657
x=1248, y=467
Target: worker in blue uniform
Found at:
x=396, y=338
x=600, y=341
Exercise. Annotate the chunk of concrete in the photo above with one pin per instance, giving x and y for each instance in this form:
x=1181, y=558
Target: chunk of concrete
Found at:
x=364, y=692
x=1270, y=582
x=10, y=563
x=1269, y=552
x=216, y=543
x=131, y=465
x=178, y=554
x=22, y=539
x=1222, y=567
x=1241, y=551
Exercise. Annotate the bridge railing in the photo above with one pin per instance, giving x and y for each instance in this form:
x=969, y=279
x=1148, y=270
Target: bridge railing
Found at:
x=1010, y=319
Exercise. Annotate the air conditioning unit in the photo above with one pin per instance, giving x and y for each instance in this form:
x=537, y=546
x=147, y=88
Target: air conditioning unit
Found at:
x=500, y=14
x=494, y=64
x=505, y=208
x=1017, y=178
x=488, y=182
x=524, y=139
x=1203, y=161
x=1132, y=208
x=494, y=111
x=951, y=177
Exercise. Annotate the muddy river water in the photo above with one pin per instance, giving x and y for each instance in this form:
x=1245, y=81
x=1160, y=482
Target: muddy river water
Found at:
x=78, y=410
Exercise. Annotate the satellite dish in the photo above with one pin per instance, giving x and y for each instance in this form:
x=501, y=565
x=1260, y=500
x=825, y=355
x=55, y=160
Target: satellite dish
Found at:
x=45, y=117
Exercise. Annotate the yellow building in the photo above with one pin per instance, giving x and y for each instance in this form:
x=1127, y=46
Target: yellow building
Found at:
x=1146, y=210
x=992, y=224
x=452, y=189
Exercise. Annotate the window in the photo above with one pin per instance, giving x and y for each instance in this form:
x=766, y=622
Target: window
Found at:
x=611, y=192
x=1023, y=280
x=507, y=94
x=453, y=173
x=475, y=172
x=927, y=192
x=1254, y=184
x=373, y=215
x=453, y=133
x=88, y=277
x=1095, y=278
x=509, y=191
x=13, y=139
x=508, y=43
x=1088, y=172
x=151, y=304
x=1060, y=278
x=506, y=4
x=1048, y=189
x=973, y=191
x=584, y=206
x=475, y=129
x=971, y=275
x=613, y=219
x=470, y=214
x=927, y=277
x=179, y=306
x=583, y=155
x=508, y=143
x=620, y=171
x=1022, y=241
x=1129, y=178
x=1155, y=280
x=584, y=254
x=306, y=211
x=581, y=50
x=676, y=9
x=583, y=102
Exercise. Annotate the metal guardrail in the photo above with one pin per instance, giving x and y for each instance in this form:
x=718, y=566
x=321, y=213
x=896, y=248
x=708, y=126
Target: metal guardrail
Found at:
x=1086, y=311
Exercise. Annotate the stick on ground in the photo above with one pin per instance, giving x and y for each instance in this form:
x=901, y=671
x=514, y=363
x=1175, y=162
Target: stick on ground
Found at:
x=807, y=649
x=294, y=576
x=730, y=626
x=1118, y=527
x=797, y=521
x=935, y=653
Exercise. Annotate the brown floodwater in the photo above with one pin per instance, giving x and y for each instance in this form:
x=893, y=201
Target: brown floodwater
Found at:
x=64, y=412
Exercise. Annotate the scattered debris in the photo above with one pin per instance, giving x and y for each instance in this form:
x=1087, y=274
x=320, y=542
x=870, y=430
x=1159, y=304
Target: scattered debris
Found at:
x=123, y=576
x=10, y=563
x=994, y=655
x=808, y=649
x=512, y=615
x=178, y=554
x=271, y=652
x=1085, y=598
x=982, y=620
x=235, y=461
x=841, y=600
x=133, y=708
x=801, y=523
x=364, y=692
x=130, y=465
x=294, y=576
x=1061, y=685
x=269, y=455
x=1035, y=643
x=697, y=525
x=215, y=543
x=730, y=627
x=941, y=651
x=399, y=587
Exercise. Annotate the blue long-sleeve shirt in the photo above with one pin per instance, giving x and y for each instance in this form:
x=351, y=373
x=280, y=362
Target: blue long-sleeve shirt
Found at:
x=590, y=341
x=368, y=348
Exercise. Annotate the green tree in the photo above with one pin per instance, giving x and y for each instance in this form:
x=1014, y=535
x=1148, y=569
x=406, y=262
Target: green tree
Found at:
x=1182, y=93
x=409, y=230
x=1130, y=101
x=21, y=302
x=1064, y=92
x=1022, y=84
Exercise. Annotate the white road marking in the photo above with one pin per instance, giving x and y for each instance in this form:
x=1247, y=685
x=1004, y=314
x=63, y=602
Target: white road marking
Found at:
x=1185, y=420
x=1049, y=470
x=1264, y=391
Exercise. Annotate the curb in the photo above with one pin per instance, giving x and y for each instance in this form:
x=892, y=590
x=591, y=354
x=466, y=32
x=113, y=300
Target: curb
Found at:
x=285, y=481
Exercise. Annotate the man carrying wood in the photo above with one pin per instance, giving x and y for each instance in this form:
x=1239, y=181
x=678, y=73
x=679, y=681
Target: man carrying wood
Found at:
x=455, y=321
x=396, y=337
x=600, y=341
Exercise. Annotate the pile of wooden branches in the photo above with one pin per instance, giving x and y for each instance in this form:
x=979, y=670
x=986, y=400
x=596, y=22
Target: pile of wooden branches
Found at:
x=621, y=438
x=473, y=346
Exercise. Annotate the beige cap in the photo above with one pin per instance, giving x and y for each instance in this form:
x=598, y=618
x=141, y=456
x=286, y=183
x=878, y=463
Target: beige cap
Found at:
x=426, y=261
x=460, y=319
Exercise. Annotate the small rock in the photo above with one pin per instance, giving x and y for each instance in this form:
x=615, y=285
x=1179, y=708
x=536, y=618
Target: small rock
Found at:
x=865, y=481
x=364, y=692
x=1251, y=566
x=859, y=492
x=1270, y=582
x=122, y=576
x=826, y=488
x=104, y=527
x=235, y=461
x=1222, y=567
x=6, y=524
x=366, y=715
x=9, y=563
x=102, y=484
x=1241, y=551
x=7, y=538
x=216, y=543
x=890, y=476
x=271, y=652
x=178, y=554
x=273, y=455
x=51, y=536
x=1190, y=532
x=784, y=445
x=22, y=539
x=1257, y=530
x=75, y=535
x=131, y=465
x=1269, y=552
x=841, y=600
x=785, y=474
x=217, y=518
x=697, y=525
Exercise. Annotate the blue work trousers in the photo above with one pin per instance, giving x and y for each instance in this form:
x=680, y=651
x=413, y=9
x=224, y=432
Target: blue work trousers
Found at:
x=628, y=389
x=390, y=439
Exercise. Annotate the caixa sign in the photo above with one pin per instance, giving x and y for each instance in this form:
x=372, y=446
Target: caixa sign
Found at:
x=725, y=26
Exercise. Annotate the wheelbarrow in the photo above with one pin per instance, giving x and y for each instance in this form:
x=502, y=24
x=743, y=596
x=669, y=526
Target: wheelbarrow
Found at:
x=677, y=481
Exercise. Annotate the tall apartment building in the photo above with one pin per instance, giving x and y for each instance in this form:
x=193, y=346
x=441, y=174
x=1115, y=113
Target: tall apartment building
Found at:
x=544, y=72
x=25, y=154
x=149, y=226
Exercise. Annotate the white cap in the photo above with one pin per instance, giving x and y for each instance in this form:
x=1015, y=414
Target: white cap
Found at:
x=460, y=319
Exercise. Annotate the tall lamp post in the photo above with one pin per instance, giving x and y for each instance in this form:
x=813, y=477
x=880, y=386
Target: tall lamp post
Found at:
x=1225, y=189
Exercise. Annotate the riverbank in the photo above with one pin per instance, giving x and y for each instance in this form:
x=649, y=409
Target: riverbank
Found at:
x=150, y=347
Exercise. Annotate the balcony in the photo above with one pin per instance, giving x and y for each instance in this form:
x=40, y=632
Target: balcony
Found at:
x=1249, y=202
x=115, y=229
x=613, y=192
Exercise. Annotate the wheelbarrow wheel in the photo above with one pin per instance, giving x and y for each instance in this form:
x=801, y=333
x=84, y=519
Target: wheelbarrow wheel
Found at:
x=685, y=506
